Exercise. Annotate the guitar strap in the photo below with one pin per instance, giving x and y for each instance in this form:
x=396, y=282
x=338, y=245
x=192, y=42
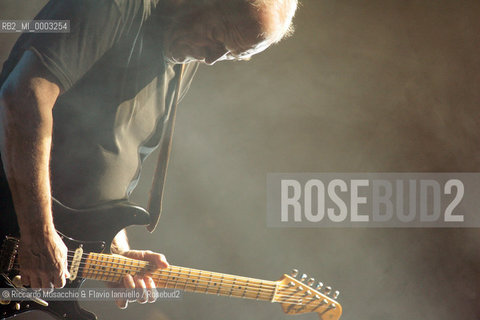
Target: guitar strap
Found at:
x=158, y=183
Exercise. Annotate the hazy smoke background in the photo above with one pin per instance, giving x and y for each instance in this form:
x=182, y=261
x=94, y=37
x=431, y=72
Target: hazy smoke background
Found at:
x=380, y=85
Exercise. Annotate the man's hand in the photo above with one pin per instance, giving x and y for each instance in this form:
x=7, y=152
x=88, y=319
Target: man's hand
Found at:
x=43, y=260
x=145, y=282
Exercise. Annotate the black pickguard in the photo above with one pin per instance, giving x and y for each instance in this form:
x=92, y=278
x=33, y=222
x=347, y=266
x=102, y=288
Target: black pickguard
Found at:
x=94, y=229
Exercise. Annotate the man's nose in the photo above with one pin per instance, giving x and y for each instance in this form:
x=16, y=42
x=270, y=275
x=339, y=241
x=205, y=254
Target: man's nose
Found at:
x=215, y=56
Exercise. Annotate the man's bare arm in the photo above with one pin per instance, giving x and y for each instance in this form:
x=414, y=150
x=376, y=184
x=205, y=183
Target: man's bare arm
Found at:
x=26, y=102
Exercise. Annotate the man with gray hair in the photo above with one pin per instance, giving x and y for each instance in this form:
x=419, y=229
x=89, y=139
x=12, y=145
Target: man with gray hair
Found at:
x=81, y=110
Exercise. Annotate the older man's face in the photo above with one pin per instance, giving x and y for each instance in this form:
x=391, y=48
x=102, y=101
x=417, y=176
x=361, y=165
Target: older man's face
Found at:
x=210, y=37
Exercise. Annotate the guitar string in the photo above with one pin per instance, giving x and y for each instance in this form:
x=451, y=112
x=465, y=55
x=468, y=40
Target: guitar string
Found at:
x=184, y=286
x=279, y=298
x=138, y=268
x=178, y=273
x=228, y=279
x=171, y=273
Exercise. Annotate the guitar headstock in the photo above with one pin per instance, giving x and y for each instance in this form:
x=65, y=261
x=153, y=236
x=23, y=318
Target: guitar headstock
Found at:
x=299, y=296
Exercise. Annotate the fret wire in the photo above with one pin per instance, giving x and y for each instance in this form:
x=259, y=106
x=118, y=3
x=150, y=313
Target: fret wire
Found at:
x=168, y=277
x=188, y=276
x=90, y=269
x=220, y=285
x=141, y=266
x=258, y=292
x=177, y=277
x=107, y=268
x=93, y=268
x=198, y=280
x=94, y=272
x=104, y=268
x=246, y=285
x=115, y=274
x=130, y=261
x=209, y=281
x=101, y=265
x=233, y=286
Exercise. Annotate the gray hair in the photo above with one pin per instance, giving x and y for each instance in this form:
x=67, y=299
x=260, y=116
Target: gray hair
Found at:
x=275, y=16
x=279, y=15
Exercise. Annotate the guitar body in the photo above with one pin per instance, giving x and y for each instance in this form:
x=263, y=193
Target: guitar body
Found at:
x=91, y=229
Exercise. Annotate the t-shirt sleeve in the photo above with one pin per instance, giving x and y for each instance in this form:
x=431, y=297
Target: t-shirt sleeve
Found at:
x=95, y=27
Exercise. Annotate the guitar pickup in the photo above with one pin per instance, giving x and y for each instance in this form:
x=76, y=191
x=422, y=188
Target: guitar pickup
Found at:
x=75, y=264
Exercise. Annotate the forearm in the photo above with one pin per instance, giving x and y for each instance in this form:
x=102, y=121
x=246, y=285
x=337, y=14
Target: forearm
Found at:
x=26, y=123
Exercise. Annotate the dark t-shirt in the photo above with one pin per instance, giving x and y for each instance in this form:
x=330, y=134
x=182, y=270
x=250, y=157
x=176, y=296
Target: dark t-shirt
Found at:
x=118, y=93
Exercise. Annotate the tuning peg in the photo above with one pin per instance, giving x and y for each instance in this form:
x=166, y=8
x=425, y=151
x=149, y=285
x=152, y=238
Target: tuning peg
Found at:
x=319, y=286
x=310, y=281
x=304, y=277
x=294, y=273
x=327, y=290
x=336, y=294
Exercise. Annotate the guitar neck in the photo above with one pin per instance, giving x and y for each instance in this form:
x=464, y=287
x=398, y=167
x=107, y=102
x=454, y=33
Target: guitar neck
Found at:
x=295, y=296
x=112, y=268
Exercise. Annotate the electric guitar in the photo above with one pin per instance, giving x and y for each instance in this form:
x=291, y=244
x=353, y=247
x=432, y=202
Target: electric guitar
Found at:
x=88, y=235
